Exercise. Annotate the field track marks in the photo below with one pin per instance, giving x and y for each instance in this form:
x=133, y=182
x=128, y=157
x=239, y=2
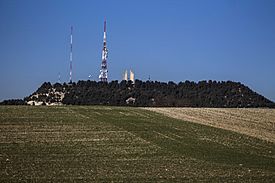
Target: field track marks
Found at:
x=117, y=128
x=258, y=123
x=124, y=144
x=76, y=113
x=165, y=136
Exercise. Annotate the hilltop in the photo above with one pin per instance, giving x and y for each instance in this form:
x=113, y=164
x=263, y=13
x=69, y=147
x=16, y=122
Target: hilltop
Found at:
x=226, y=94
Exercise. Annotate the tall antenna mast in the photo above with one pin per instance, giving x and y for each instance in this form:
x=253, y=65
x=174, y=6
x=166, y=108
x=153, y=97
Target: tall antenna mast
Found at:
x=71, y=56
x=103, y=71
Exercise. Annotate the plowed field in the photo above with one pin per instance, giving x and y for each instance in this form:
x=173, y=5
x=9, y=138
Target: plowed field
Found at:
x=119, y=144
x=258, y=123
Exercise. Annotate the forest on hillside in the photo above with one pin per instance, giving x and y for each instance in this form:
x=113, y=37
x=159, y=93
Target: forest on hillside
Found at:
x=152, y=93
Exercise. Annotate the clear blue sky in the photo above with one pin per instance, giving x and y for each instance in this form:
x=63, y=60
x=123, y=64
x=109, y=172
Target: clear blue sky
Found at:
x=167, y=39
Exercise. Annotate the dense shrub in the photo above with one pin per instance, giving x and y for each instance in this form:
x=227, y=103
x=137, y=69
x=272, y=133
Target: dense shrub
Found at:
x=149, y=93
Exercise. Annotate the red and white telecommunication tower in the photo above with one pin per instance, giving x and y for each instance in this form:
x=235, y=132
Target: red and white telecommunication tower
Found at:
x=103, y=71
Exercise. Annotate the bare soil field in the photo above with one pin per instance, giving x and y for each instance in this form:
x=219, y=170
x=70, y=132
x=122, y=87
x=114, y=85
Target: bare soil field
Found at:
x=124, y=144
x=258, y=123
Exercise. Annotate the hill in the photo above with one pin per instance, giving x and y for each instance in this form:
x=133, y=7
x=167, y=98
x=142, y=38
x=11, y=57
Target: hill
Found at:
x=149, y=93
x=123, y=144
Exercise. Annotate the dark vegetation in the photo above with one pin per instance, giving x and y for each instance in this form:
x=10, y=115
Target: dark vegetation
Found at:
x=149, y=93
x=13, y=102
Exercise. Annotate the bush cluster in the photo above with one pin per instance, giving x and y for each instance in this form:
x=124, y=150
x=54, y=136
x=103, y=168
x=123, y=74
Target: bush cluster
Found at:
x=159, y=94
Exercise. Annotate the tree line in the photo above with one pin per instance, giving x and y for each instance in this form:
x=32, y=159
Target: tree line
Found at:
x=154, y=93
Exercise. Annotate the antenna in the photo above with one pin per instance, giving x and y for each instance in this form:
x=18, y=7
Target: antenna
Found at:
x=104, y=71
x=71, y=56
x=59, y=78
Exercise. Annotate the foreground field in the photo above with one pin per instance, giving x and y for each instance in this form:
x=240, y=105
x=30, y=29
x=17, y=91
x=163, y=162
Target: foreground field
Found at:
x=258, y=123
x=84, y=144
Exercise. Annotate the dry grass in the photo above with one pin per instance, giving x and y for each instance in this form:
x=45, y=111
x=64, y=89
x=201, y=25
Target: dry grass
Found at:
x=258, y=123
x=121, y=144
